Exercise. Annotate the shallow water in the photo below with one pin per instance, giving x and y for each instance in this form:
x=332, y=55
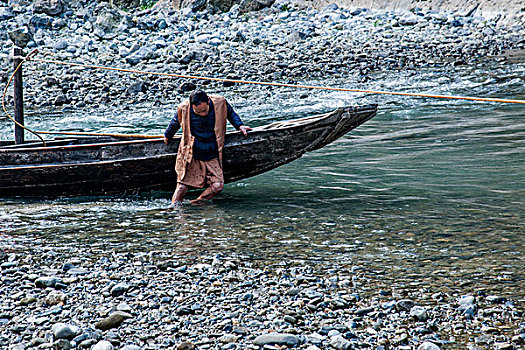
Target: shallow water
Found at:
x=429, y=193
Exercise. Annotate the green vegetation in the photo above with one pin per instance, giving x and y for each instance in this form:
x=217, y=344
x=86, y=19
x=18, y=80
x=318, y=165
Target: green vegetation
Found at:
x=146, y=4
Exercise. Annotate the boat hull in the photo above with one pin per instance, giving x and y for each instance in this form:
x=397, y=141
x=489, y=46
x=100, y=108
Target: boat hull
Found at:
x=103, y=165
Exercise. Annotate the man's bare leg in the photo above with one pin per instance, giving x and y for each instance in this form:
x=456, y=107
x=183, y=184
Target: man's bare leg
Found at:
x=209, y=193
x=178, y=195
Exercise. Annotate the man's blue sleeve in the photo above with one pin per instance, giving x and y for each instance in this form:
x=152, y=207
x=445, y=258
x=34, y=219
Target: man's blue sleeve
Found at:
x=173, y=127
x=233, y=118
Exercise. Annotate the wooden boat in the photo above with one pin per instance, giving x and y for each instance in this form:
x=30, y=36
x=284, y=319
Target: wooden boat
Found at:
x=103, y=165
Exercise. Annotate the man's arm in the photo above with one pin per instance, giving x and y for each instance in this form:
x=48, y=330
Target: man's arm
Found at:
x=236, y=121
x=172, y=128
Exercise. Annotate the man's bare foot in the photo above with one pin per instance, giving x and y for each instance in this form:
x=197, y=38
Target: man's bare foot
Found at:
x=175, y=205
x=198, y=201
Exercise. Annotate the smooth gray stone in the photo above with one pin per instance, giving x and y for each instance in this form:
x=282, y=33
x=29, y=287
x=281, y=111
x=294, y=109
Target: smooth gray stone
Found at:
x=77, y=271
x=112, y=321
x=6, y=13
x=419, y=313
x=466, y=300
x=55, y=298
x=59, y=23
x=122, y=288
x=428, y=346
x=504, y=346
x=9, y=264
x=340, y=343
x=277, y=339
x=404, y=305
x=60, y=45
x=107, y=23
x=49, y=7
x=45, y=282
x=131, y=347
x=59, y=101
x=20, y=36
x=145, y=52
x=62, y=344
x=496, y=299
x=364, y=311
x=64, y=331
x=103, y=345
x=186, y=346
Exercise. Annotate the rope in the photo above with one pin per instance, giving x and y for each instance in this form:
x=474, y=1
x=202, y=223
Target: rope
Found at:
x=135, y=136
x=29, y=57
x=311, y=87
x=24, y=59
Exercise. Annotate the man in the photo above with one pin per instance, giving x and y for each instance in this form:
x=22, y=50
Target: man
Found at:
x=199, y=158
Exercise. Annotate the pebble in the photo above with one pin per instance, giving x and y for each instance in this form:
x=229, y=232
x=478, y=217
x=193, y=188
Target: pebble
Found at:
x=428, y=346
x=112, y=321
x=45, y=282
x=64, y=331
x=496, y=299
x=119, y=289
x=228, y=338
x=419, y=313
x=404, y=305
x=277, y=339
x=62, y=344
x=103, y=345
x=186, y=346
x=56, y=298
x=340, y=343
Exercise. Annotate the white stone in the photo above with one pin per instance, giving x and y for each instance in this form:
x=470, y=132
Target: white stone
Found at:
x=428, y=346
x=103, y=345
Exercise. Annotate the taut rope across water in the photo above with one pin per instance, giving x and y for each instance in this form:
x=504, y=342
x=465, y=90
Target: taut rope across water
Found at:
x=30, y=57
x=311, y=87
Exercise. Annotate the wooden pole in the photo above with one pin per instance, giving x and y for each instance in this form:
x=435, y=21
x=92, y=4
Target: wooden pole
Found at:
x=18, y=96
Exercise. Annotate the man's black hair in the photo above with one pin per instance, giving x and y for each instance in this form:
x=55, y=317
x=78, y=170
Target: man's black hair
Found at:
x=197, y=97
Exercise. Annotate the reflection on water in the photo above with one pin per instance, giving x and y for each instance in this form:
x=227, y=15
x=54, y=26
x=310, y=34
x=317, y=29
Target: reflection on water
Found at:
x=428, y=190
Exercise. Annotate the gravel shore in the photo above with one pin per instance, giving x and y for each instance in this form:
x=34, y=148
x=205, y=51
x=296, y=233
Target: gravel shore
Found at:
x=286, y=43
x=159, y=300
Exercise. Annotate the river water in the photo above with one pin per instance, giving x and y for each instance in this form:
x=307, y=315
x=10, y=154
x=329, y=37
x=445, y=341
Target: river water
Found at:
x=428, y=193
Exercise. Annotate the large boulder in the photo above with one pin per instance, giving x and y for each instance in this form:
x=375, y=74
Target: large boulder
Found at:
x=18, y=3
x=107, y=23
x=222, y=5
x=20, y=36
x=254, y=5
x=40, y=22
x=49, y=7
x=126, y=4
x=144, y=53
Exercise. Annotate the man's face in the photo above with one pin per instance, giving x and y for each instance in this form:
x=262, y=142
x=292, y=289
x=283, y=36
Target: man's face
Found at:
x=202, y=109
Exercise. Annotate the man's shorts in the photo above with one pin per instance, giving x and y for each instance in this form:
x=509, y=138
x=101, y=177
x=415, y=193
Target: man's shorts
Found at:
x=201, y=173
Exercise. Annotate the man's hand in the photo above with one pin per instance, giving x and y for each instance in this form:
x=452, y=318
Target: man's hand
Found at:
x=244, y=129
x=166, y=140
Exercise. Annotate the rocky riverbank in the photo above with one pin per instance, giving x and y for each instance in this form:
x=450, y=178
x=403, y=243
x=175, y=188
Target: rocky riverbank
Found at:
x=101, y=301
x=285, y=42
